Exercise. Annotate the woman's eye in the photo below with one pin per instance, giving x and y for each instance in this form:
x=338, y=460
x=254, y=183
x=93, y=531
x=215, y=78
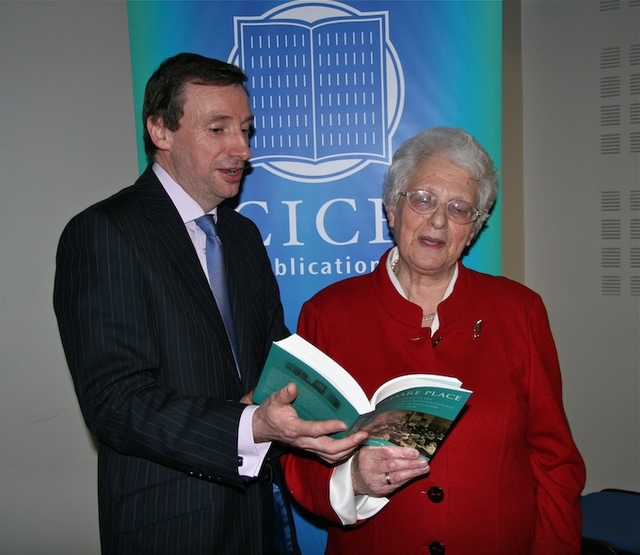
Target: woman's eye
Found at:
x=461, y=208
x=426, y=200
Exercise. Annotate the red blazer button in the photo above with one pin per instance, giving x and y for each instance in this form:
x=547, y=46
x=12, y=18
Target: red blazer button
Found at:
x=435, y=494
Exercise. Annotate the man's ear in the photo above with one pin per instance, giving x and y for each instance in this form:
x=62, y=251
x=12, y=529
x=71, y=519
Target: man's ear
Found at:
x=159, y=134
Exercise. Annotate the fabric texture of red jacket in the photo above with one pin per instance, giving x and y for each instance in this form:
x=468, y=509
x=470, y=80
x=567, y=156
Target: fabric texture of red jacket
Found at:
x=508, y=477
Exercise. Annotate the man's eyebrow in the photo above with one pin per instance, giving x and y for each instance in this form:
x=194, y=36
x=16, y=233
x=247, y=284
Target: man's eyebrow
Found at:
x=217, y=117
x=222, y=117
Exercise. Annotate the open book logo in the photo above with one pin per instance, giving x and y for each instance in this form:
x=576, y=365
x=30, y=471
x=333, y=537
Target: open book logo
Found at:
x=326, y=86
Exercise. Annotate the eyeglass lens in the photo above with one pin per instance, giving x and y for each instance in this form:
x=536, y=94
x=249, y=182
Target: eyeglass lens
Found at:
x=424, y=202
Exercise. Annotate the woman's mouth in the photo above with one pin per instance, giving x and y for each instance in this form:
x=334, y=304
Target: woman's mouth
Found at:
x=431, y=242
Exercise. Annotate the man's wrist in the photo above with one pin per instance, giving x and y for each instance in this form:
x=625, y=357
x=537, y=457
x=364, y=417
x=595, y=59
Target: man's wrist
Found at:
x=251, y=454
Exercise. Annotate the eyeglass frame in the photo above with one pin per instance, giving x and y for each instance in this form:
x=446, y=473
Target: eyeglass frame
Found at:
x=476, y=216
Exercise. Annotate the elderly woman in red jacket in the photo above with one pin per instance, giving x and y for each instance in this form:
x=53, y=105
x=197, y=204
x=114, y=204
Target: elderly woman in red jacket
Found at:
x=507, y=480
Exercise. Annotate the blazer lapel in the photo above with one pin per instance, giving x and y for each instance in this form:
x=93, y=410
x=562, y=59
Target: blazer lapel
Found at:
x=174, y=244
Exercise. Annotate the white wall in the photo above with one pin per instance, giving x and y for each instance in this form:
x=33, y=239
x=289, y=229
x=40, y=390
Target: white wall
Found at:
x=67, y=139
x=565, y=174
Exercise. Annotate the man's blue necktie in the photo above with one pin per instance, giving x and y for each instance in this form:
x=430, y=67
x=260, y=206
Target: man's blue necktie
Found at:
x=218, y=277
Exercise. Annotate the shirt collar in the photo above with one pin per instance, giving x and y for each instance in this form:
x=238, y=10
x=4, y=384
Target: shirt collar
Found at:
x=187, y=207
x=392, y=258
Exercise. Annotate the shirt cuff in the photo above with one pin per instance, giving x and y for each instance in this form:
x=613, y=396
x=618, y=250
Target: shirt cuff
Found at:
x=251, y=455
x=349, y=507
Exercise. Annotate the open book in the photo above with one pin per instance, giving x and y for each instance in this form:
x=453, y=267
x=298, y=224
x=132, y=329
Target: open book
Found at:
x=415, y=410
x=302, y=88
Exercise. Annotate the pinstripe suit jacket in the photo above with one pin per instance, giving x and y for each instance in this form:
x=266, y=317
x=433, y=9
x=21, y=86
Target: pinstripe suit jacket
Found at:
x=154, y=373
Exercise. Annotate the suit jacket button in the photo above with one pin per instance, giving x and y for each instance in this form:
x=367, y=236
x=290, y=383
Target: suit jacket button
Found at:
x=435, y=494
x=437, y=548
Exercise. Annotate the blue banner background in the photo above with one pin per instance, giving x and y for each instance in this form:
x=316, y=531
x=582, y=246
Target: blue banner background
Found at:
x=450, y=52
x=318, y=231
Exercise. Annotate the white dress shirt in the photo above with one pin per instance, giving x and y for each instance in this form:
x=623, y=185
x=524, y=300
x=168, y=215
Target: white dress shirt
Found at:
x=251, y=453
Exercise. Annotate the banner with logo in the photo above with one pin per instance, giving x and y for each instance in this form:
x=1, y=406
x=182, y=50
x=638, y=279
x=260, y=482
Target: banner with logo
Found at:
x=335, y=88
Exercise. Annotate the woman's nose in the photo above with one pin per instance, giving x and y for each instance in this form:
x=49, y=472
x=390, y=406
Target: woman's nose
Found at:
x=438, y=218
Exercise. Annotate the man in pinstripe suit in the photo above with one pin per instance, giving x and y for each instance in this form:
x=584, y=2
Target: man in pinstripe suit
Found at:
x=184, y=462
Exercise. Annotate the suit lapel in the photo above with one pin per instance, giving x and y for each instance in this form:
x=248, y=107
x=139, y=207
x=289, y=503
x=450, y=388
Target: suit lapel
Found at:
x=172, y=238
x=175, y=247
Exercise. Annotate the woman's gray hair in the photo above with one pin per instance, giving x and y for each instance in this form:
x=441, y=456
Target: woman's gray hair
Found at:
x=460, y=148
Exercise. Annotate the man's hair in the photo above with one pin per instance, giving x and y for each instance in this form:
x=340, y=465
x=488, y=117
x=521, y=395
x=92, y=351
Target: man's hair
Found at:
x=164, y=95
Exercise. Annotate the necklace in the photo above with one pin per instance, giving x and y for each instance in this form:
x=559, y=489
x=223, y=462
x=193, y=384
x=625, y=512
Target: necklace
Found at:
x=429, y=316
x=425, y=317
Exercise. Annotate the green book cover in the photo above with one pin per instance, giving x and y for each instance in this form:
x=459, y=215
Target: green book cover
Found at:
x=415, y=410
x=318, y=398
x=419, y=417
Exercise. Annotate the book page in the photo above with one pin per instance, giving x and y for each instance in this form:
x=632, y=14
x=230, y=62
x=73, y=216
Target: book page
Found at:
x=413, y=380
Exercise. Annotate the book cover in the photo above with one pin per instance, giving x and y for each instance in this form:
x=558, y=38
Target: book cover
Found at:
x=319, y=398
x=418, y=417
x=415, y=410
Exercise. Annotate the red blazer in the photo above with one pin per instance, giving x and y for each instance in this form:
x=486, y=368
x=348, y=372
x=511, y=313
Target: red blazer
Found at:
x=508, y=477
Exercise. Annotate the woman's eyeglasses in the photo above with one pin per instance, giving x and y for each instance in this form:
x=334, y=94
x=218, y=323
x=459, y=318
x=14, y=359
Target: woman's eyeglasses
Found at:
x=458, y=211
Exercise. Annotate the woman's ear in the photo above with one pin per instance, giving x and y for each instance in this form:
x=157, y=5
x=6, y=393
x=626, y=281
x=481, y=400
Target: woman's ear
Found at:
x=391, y=216
x=471, y=238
